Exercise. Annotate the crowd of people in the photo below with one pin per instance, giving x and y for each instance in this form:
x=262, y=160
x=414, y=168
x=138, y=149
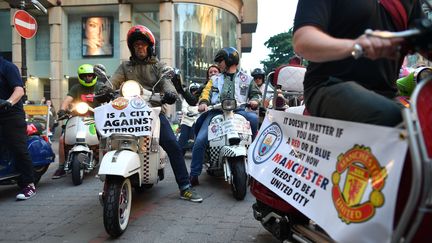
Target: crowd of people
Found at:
x=338, y=58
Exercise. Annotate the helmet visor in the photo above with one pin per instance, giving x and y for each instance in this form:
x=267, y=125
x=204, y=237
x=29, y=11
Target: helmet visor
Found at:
x=87, y=77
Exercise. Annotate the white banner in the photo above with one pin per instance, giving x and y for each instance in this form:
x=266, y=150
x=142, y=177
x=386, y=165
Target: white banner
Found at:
x=127, y=117
x=342, y=175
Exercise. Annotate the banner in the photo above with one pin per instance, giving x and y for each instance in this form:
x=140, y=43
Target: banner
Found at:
x=125, y=116
x=342, y=175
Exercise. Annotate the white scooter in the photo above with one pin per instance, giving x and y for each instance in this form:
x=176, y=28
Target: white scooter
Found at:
x=81, y=141
x=134, y=157
x=229, y=136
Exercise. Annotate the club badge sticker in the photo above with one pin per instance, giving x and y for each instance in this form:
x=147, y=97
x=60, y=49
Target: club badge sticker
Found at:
x=267, y=143
x=361, y=167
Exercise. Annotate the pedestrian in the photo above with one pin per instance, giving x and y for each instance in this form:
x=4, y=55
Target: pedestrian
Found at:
x=145, y=68
x=14, y=127
x=52, y=118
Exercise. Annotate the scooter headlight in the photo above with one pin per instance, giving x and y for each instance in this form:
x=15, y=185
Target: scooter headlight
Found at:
x=130, y=88
x=229, y=104
x=82, y=108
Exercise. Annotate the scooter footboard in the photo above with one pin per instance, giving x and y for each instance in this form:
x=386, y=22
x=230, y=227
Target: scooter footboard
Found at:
x=120, y=162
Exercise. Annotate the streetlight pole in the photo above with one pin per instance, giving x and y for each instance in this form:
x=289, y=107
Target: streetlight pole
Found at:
x=23, y=51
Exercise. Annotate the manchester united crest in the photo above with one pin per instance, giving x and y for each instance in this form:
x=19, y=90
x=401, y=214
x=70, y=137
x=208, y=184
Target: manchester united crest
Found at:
x=360, y=194
x=120, y=103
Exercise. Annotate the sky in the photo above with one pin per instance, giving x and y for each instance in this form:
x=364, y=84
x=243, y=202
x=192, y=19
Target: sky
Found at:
x=274, y=17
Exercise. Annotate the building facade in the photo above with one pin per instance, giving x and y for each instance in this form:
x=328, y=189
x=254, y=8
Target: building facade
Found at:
x=188, y=34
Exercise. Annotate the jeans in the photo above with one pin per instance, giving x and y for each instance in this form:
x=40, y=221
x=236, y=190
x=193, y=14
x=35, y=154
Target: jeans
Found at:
x=201, y=139
x=14, y=134
x=169, y=143
x=350, y=101
x=186, y=133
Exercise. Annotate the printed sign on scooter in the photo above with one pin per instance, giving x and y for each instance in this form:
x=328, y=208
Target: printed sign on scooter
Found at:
x=349, y=171
x=133, y=116
x=228, y=126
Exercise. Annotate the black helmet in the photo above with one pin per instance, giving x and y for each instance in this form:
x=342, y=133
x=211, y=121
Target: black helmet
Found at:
x=229, y=54
x=257, y=72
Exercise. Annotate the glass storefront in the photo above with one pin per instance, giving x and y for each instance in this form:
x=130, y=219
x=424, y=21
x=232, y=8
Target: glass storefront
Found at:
x=200, y=31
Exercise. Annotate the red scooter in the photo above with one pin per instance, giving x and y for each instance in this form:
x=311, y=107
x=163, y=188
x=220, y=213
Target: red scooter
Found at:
x=412, y=217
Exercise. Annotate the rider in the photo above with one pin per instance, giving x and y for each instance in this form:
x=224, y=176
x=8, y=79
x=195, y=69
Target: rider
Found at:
x=349, y=70
x=83, y=91
x=188, y=119
x=231, y=83
x=144, y=67
x=259, y=75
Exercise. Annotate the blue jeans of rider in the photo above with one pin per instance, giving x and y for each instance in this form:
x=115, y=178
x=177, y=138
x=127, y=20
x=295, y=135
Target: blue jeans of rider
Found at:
x=201, y=139
x=169, y=143
x=186, y=133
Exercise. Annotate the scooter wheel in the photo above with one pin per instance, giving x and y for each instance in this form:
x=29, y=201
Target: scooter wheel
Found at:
x=117, y=205
x=239, y=177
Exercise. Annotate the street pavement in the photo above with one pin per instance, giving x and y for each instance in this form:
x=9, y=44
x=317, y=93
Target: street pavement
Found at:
x=62, y=212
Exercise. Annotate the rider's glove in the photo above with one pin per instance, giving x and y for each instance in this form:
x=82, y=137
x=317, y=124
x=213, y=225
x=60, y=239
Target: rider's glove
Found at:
x=169, y=98
x=5, y=104
x=105, y=94
x=62, y=113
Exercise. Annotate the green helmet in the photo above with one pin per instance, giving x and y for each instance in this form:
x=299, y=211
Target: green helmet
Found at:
x=86, y=75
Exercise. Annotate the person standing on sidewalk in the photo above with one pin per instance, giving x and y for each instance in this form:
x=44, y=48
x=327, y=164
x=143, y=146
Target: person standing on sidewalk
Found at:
x=13, y=125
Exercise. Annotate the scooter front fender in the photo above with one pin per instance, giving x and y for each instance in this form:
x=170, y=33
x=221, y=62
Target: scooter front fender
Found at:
x=233, y=151
x=80, y=148
x=121, y=163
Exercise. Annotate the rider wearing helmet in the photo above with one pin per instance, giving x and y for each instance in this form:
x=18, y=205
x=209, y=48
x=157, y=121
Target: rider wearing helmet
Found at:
x=86, y=76
x=83, y=91
x=190, y=114
x=230, y=83
x=258, y=74
x=193, y=87
x=145, y=68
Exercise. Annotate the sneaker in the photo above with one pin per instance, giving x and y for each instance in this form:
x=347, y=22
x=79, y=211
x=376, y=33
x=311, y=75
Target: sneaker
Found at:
x=27, y=192
x=59, y=173
x=191, y=195
x=194, y=180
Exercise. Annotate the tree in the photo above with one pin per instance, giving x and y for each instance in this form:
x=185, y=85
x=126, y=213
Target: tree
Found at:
x=281, y=49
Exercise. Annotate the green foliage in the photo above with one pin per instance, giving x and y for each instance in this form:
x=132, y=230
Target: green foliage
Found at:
x=281, y=49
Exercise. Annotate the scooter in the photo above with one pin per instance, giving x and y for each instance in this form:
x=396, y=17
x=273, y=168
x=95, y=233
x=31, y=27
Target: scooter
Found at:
x=81, y=142
x=229, y=136
x=134, y=158
x=283, y=209
x=40, y=151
